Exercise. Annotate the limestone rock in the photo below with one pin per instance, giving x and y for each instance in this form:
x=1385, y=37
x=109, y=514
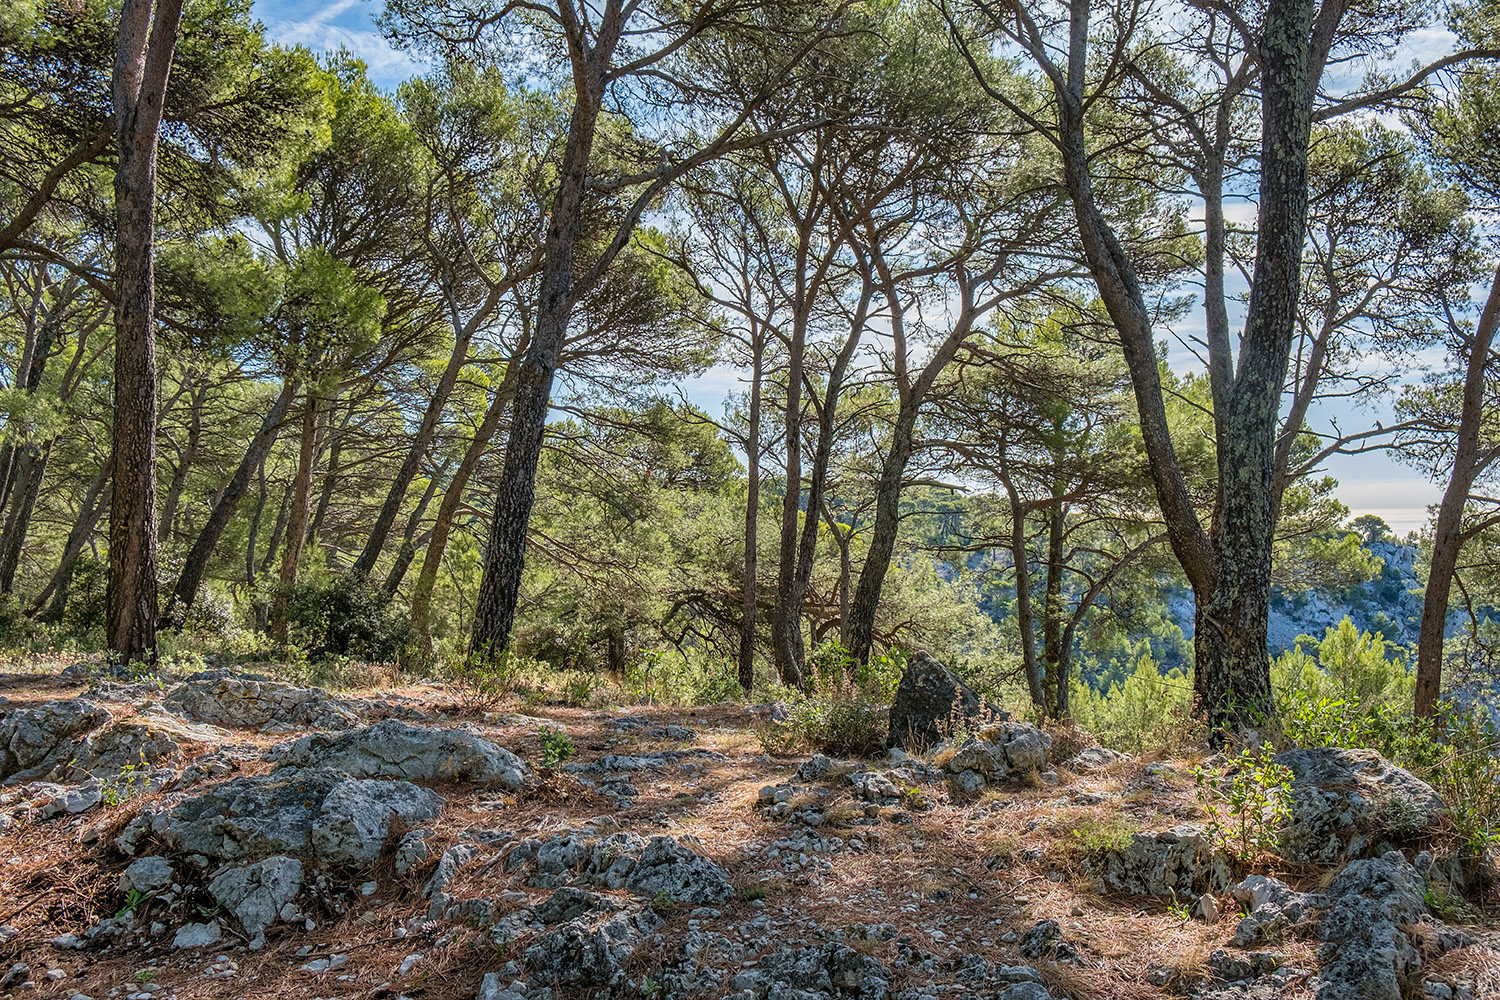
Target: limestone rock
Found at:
x=314, y=813
x=197, y=935
x=1177, y=862
x=131, y=746
x=393, y=749
x=830, y=970
x=146, y=875
x=1347, y=803
x=929, y=699
x=1368, y=950
x=251, y=702
x=256, y=893
x=1273, y=909
x=33, y=738
x=674, y=869
x=1044, y=939
x=590, y=950
x=998, y=753
x=1093, y=759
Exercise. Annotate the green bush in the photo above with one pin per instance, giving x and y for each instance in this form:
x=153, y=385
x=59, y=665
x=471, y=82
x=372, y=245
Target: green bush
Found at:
x=1248, y=800
x=1347, y=665
x=844, y=713
x=349, y=616
x=1148, y=713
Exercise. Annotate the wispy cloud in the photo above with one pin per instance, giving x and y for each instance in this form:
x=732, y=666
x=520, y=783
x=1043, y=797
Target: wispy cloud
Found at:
x=343, y=24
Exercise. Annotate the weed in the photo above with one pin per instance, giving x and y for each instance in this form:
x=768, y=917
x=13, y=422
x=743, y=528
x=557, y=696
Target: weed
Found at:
x=1247, y=802
x=556, y=747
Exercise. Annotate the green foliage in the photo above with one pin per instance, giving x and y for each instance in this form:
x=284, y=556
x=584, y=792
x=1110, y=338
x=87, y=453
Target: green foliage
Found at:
x=556, y=747
x=1347, y=665
x=349, y=616
x=1148, y=713
x=1248, y=800
x=840, y=715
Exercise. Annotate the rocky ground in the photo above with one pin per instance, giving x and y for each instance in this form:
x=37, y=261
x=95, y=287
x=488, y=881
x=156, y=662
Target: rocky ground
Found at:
x=230, y=835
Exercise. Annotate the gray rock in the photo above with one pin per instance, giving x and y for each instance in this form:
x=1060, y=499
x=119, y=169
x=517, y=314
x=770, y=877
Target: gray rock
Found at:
x=35, y=738
x=1044, y=939
x=928, y=700
x=256, y=893
x=674, y=869
x=1367, y=949
x=249, y=702
x=1348, y=803
x=393, y=749
x=412, y=850
x=830, y=970
x=1177, y=862
x=131, y=747
x=1273, y=909
x=1001, y=752
x=569, y=903
x=1024, y=991
x=197, y=935
x=590, y=950
x=146, y=875
x=448, y=865
x=313, y=813
x=1093, y=759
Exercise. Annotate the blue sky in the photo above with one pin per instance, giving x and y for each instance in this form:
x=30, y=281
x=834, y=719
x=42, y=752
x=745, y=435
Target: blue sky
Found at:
x=1367, y=483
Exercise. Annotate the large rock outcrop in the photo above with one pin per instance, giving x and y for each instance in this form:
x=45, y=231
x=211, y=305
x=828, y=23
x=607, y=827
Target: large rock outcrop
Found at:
x=1350, y=804
x=36, y=739
x=1001, y=752
x=253, y=702
x=1177, y=863
x=314, y=813
x=393, y=749
x=930, y=702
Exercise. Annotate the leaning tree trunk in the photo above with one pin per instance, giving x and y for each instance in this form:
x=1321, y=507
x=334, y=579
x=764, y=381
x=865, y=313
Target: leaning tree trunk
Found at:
x=421, y=443
x=505, y=553
x=408, y=549
x=442, y=525
x=297, y=520
x=1448, y=538
x=196, y=565
x=752, y=518
x=143, y=61
x=28, y=486
x=861, y=628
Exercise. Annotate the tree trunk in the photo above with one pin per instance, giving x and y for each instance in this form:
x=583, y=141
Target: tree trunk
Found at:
x=185, y=458
x=333, y=439
x=1025, y=617
x=505, y=553
x=861, y=628
x=1052, y=617
x=408, y=548
x=752, y=516
x=196, y=565
x=89, y=511
x=1448, y=537
x=250, y=539
x=442, y=525
x=143, y=61
x=421, y=443
x=32, y=467
x=301, y=510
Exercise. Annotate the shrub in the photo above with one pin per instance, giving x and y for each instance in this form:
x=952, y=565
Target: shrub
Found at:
x=845, y=711
x=349, y=616
x=1347, y=665
x=1248, y=800
x=1149, y=712
x=556, y=747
